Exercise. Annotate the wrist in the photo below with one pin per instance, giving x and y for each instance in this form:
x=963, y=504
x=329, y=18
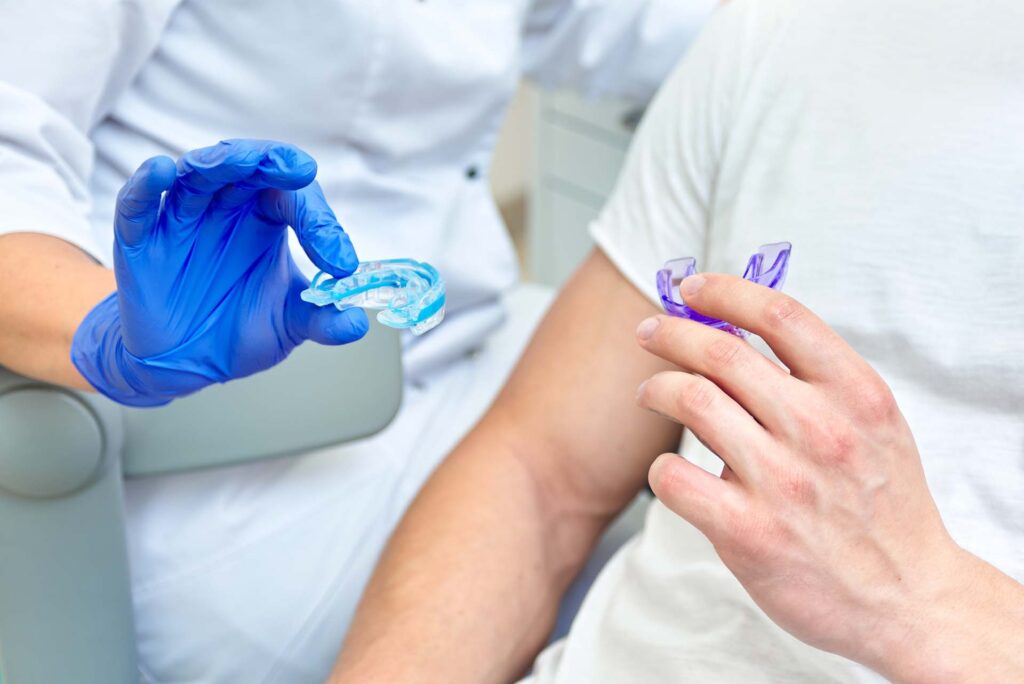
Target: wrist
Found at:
x=958, y=624
x=98, y=352
x=919, y=628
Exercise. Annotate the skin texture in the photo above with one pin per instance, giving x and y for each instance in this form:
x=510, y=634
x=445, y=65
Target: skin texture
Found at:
x=469, y=587
x=38, y=309
x=822, y=512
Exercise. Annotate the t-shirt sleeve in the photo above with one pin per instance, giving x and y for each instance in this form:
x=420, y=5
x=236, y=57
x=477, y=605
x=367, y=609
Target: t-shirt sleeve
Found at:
x=662, y=204
x=61, y=63
x=609, y=47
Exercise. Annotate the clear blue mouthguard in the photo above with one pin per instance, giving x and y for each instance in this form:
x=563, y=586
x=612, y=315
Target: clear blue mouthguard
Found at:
x=410, y=294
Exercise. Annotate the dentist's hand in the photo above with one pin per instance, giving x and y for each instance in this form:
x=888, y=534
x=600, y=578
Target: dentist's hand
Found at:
x=822, y=512
x=206, y=288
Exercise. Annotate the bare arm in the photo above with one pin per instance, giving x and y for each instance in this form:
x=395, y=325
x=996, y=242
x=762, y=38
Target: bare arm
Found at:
x=47, y=286
x=469, y=586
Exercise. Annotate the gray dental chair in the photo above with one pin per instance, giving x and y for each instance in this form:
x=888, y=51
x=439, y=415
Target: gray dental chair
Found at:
x=65, y=597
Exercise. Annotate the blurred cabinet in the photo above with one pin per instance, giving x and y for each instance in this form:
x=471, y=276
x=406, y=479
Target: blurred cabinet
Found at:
x=580, y=146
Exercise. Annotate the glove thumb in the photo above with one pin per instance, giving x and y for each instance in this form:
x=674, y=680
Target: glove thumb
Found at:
x=327, y=325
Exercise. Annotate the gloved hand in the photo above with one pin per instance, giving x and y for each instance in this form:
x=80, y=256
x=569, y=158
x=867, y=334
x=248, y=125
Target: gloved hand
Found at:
x=207, y=290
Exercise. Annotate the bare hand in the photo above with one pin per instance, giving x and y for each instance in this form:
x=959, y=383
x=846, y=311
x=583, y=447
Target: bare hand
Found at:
x=822, y=511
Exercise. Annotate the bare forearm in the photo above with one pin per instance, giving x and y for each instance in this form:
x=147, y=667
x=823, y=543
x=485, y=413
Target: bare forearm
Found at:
x=470, y=584
x=47, y=286
x=468, y=588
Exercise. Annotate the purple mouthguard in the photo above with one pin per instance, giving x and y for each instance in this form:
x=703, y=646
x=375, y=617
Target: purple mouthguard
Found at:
x=768, y=267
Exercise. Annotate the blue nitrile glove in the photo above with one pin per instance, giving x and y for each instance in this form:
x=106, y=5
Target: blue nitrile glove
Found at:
x=206, y=288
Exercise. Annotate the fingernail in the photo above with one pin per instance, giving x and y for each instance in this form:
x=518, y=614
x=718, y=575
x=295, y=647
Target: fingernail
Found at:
x=647, y=328
x=692, y=284
x=654, y=472
x=640, y=390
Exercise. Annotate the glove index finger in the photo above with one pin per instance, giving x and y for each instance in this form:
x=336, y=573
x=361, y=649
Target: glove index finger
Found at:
x=258, y=163
x=138, y=202
x=282, y=167
x=236, y=169
x=321, y=236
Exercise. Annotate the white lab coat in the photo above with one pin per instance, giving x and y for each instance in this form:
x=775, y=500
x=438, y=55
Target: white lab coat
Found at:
x=400, y=102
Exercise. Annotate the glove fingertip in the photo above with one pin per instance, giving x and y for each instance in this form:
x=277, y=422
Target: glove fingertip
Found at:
x=138, y=202
x=335, y=256
x=162, y=172
x=287, y=167
x=153, y=177
x=327, y=325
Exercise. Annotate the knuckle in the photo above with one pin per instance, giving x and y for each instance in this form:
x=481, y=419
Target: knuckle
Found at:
x=723, y=351
x=835, y=444
x=806, y=423
x=827, y=436
x=799, y=489
x=876, y=402
x=782, y=311
x=697, y=397
x=841, y=446
x=831, y=439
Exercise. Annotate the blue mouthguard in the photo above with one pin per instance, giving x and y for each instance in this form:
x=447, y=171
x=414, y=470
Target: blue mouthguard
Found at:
x=409, y=293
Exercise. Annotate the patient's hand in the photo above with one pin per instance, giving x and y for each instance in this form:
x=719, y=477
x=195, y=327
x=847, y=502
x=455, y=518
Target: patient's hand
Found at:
x=822, y=511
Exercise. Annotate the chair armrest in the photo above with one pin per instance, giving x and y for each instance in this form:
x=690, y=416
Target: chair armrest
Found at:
x=316, y=397
x=65, y=596
x=65, y=593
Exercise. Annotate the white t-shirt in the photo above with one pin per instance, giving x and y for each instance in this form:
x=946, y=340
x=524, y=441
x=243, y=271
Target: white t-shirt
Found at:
x=885, y=140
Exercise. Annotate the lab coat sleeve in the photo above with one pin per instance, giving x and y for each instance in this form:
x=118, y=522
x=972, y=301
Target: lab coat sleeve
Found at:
x=609, y=47
x=62, y=63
